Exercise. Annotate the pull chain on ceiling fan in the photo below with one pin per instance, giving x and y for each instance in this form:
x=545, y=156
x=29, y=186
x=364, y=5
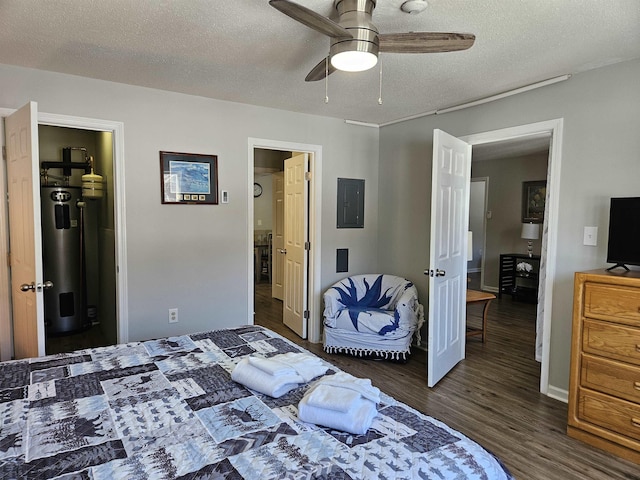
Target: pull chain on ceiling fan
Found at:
x=356, y=42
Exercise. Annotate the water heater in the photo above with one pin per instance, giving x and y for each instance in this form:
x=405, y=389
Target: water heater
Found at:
x=62, y=256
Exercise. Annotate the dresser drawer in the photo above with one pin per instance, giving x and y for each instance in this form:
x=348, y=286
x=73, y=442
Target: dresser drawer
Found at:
x=614, y=341
x=621, y=304
x=608, y=376
x=613, y=414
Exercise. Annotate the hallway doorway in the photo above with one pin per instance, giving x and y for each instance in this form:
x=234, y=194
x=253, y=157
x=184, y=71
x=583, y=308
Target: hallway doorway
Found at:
x=312, y=294
x=552, y=132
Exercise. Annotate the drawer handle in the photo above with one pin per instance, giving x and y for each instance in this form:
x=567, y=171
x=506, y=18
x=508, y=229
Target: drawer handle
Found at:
x=636, y=385
x=635, y=422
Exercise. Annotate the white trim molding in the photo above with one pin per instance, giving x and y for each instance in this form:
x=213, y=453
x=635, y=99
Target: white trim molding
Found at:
x=492, y=98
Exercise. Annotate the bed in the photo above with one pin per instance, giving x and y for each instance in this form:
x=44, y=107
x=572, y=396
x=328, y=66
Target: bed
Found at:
x=168, y=409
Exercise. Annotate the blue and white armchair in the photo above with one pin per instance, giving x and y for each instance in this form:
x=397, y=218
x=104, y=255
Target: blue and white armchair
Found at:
x=372, y=315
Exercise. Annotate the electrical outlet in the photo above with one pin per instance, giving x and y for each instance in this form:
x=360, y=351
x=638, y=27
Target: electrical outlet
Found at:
x=173, y=315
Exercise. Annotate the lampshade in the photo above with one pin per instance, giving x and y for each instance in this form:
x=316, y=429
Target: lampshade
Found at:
x=530, y=231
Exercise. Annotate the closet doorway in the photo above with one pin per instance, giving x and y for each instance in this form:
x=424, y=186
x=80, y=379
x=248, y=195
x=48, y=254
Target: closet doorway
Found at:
x=108, y=160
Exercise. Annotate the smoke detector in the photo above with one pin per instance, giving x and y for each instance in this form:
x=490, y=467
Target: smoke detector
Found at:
x=413, y=7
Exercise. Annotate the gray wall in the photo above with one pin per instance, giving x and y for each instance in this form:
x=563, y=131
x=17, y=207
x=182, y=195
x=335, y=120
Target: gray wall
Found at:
x=600, y=159
x=505, y=203
x=196, y=257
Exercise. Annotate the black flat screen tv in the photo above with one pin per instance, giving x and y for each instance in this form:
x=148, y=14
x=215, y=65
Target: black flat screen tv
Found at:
x=624, y=232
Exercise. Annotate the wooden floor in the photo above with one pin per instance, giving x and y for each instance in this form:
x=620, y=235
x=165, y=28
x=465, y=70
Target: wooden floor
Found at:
x=492, y=396
x=90, y=338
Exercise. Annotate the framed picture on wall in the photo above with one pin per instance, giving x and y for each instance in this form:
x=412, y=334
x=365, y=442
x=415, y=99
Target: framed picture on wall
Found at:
x=534, y=197
x=189, y=178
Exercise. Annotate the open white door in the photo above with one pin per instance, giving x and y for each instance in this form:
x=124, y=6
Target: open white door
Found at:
x=448, y=254
x=25, y=236
x=277, y=244
x=295, y=235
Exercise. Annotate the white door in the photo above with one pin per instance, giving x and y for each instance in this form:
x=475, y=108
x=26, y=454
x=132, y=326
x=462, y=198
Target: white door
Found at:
x=277, y=274
x=25, y=236
x=448, y=254
x=295, y=235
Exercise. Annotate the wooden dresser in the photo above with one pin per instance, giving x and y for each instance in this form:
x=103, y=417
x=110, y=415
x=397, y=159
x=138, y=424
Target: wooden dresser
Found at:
x=604, y=388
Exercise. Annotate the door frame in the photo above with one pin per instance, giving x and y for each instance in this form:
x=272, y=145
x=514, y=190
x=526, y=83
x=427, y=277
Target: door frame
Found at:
x=555, y=128
x=80, y=123
x=315, y=217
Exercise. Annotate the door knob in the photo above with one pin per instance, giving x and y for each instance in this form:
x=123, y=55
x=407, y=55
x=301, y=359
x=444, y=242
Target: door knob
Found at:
x=435, y=273
x=283, y=251
x=25, y=287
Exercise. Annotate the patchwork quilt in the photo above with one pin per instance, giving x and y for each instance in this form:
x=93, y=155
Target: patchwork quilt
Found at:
x=168, y=409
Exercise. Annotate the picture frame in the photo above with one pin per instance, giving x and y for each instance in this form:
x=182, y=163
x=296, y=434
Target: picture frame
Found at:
x=188, y=178
x=534, y=196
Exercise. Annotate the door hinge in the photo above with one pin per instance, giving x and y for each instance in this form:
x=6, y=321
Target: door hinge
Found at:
x=306, y=314
x=4, y=153
x=307, y=245
x=307, y=176
x=9, y=259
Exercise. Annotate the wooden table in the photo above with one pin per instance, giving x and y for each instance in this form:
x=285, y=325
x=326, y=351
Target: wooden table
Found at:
x=476, y=296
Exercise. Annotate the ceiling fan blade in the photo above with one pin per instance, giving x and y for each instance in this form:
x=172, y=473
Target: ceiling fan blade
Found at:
x=319, y=71
x=311, y=19
x=425, y=42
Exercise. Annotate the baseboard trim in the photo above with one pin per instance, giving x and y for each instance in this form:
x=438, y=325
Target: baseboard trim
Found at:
x=558, y=394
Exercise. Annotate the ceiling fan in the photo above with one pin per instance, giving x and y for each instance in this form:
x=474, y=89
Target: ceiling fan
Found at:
x=355, y=41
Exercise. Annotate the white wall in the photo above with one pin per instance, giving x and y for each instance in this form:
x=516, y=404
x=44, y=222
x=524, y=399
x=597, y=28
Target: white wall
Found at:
x=262, y=205
x=600, y=159
x=195, y=257
x=477, y=194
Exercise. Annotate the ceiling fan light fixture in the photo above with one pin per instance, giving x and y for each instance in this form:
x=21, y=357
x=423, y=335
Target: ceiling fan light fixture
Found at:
x=354, y=61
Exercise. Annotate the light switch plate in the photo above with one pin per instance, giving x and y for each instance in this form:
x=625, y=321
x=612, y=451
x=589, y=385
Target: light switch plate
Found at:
x=590, y=236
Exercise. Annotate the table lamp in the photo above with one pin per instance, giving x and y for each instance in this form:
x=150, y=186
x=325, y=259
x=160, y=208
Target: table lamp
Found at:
x=530, y=231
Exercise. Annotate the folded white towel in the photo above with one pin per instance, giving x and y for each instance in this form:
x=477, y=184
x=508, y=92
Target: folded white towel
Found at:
x=357, y=420
x=361, y=385
x=256, y=379
x=271, y=366
x=305, y=365
x=308, y=366
x=332, y=398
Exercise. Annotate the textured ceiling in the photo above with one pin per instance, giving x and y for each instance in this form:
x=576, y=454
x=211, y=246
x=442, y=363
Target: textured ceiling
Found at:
x=246, y=51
